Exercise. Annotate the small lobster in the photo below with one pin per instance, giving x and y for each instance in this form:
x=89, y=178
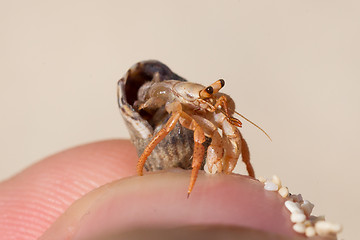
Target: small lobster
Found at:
x=201, y=109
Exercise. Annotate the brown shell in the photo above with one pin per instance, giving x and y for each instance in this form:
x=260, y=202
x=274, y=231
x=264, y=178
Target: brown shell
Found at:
x=176, y=149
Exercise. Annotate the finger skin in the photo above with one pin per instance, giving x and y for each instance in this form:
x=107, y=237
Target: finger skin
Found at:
x=33, y=199
x=159, y=199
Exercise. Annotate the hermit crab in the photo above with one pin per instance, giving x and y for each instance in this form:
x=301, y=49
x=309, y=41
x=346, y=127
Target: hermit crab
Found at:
x=175, y=123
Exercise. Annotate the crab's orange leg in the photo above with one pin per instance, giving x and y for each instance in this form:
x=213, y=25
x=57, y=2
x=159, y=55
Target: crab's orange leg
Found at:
x=245, y=155
x=199, y=150
x=198, y=156
x=170, y=124
x=215, y=150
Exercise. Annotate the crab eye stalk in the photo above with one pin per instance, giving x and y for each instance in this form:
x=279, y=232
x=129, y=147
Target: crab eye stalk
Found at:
x=212, y=89
x=222, y=82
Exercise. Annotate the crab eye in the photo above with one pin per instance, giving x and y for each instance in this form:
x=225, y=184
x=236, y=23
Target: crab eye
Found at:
x=209, y=90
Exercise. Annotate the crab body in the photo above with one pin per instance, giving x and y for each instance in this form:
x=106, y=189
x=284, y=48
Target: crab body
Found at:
x=202, y=110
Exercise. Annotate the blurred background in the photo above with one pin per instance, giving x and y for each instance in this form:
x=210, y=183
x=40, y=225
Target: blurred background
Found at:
x=293, y=67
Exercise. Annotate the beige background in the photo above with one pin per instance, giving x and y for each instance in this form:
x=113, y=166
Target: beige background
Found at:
x=291, y=66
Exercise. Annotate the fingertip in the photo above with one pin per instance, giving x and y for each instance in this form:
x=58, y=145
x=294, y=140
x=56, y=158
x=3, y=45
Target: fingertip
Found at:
x=159, y=200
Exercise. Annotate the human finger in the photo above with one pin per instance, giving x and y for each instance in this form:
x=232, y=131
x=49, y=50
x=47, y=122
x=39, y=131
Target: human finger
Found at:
x=33, y=199
x=158, y=200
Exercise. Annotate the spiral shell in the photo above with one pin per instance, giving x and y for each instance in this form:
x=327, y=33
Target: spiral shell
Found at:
x=176, y=149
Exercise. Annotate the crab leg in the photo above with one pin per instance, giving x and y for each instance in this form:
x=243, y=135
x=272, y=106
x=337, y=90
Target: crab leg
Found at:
x=245, y=155
x=215, y=153
x=215, y=150
x=199, y=150
x=234, y=144
x=170, y=124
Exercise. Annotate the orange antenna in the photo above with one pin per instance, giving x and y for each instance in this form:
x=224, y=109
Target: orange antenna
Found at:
x=253, y=124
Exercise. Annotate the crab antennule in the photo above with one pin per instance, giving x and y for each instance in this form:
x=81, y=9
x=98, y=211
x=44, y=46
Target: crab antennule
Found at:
x=235, y=121
x=232, y=120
